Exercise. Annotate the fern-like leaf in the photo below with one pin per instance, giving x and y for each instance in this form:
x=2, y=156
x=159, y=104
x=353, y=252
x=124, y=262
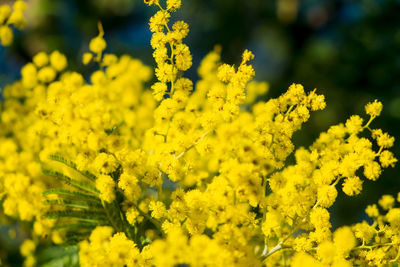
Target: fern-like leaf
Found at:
x=75, y=226
x=87, y=216
x=57, y=256
x=77, y=204
x=72, y=165
x=72, y=182
x=64, y=193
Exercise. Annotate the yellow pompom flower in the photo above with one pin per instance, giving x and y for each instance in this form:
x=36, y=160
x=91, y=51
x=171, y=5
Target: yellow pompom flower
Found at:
x=5, y=11
x=386, y=202
x=87, y=57
x=344, y=240
x=46, y=74
x=319, y=218
x=352, y=186
x=374, y=109
x=41, y=59
x=58, y=61
x=106, y=185
x=6, y=35
x=151, y=2
x=28, y=247
x=173, y=4
x=105, y=163
x=326, y=195
x=97, y=45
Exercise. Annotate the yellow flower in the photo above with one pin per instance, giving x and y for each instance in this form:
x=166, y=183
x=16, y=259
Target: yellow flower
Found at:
x=326, y=195
x=352, y=186
x=6, y=35
x=87, y=57
x=159, y=21
x=151, y=2
x=344, y=240
x=106, y=185
x=374, y=109
x=46, y=74
x=41, y=59
x=173, y=4
x=58, y=61
x=386, y=202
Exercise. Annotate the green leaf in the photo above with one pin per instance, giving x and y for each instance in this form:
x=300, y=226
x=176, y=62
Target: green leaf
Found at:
x=74, y=204
x=58, y=256
x=72, y=194
x=87, y=216
x=72, y=165
x=72, y=182
x=74, y=226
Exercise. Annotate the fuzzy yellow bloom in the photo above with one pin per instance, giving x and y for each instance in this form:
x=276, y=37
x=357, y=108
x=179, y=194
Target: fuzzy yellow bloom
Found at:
x=97, y=45
x=225, y=72
x=344, y=240
x=159, y=21
x=181, y=28
x=173, y=4
x=46, y=74
x=105, y=163
x=28, y=247
x=387, y=159
x=58, y=61
x=326, y=252
x=386, y=202
x=374, y=109
x=5, y=11
x=159, y=89
x=354, y=124
x=6, y=35
x=372, y=211
x=106, y=185
x=41, y=59
x=303, y=259
x=352, y=186
x=319, y=218
x=372, y=170
x=158, y=209
x=11, y=17
x=151, y=2
x=87, y=57
x=327, y=195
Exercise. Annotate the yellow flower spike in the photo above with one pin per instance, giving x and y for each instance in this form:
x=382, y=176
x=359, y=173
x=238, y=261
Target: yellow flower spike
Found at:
x=196, y=173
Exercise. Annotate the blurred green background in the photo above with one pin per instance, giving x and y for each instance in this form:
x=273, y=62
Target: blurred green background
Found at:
x=349, y=50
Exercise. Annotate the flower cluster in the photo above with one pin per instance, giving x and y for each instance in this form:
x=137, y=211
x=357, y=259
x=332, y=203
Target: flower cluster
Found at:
x=184, y=173
x=11, y=17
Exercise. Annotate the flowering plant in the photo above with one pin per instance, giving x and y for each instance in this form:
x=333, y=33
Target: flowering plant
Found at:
x=109, y=172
